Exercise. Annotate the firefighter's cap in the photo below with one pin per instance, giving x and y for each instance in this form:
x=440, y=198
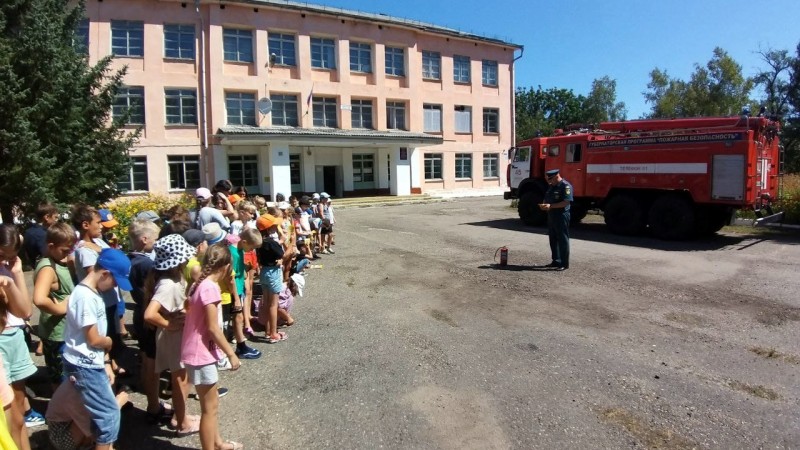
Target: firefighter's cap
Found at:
x=551, y=173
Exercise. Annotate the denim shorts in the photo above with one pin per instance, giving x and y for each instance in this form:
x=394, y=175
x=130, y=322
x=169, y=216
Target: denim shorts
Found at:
x=95, y=390
x=272, y=279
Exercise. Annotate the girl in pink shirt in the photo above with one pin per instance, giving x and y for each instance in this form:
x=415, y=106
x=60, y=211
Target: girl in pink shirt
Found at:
x=204, y=344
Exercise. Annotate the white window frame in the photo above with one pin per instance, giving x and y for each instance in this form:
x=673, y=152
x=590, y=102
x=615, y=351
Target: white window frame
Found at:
x=131, y=32
x=324, y=112
x=463, y=168
x=361, y=173
x=462, y=70
x=240, y=113
x=285, y=109
x=129, y=179
x=360, y=57
x=323, y=53
x=186, y=108
x=395, y=115
x=130, y=98
x=361, y=114
x=433, y=166
x=491, y=120
x=182, y=162
x=489, y=73
x=245, y=168
x=432, y=118
x=237, y=45
x=491, y=165
x=283, y=46
x=395, y=61
x=180, y=40
x=431, y=65
x=462, y=119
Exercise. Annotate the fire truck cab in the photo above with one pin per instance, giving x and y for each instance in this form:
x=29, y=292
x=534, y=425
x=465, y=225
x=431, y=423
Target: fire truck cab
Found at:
x=676, y=178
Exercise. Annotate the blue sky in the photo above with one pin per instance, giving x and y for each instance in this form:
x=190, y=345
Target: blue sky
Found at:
x=569, y=43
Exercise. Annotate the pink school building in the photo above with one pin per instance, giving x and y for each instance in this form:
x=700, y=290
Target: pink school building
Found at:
x=280, y=96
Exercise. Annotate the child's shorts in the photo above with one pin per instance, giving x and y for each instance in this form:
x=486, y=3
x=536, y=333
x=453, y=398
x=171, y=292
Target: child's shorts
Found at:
x=16, y=358
x=61, y=436
x=95, y=390
x=272, y=279
x=202, y=375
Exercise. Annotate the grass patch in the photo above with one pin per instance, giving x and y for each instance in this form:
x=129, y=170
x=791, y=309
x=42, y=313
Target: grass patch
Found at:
x=771, y=353
x=757, y=391
x=648, y=435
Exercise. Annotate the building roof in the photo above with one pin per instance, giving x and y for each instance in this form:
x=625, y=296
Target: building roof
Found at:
x=379, y=18
x=329, y=134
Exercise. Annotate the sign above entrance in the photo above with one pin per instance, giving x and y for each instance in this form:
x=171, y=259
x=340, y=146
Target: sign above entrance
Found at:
x=403, y=154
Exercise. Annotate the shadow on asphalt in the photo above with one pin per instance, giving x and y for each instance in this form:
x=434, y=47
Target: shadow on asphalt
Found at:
x=598, y=232
x=517, y=268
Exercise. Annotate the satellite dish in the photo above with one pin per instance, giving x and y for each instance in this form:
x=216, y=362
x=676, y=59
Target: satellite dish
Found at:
x=264, y=105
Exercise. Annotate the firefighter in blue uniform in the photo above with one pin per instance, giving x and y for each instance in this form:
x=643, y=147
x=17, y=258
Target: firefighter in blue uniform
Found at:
x=556, y=202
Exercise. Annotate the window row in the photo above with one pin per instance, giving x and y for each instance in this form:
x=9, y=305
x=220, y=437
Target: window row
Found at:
x=184, y=172
x=432, y=119
x=463, y=166
x=180, y=106
x=127, y=40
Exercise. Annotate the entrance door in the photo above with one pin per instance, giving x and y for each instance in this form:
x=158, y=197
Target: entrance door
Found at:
x=329, y=179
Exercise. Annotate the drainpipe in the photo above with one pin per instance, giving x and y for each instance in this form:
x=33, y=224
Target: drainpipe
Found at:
x=203, y=103
x=514, y=108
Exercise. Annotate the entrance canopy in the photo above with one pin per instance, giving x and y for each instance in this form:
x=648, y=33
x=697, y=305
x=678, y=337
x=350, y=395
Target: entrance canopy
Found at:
x=329, y=137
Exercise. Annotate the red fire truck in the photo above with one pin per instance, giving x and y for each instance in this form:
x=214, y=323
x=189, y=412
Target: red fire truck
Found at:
x=678, y=178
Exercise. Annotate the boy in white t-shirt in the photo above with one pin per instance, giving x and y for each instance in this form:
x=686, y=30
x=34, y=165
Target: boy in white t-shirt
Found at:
x=86, y=343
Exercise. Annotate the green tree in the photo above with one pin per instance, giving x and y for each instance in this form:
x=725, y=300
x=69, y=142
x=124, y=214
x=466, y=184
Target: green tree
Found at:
x=601, y=104
x=542, y=111
x=717, y=89
x=790, y=137
x=57, y=140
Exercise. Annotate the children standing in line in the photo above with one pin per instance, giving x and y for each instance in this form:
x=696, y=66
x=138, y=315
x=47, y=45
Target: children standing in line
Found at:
x=52, y=287
x=250, y=240
x=270, y=257
x=203, y=344
x=166, y=288
x=16, y=360
x=86, y=343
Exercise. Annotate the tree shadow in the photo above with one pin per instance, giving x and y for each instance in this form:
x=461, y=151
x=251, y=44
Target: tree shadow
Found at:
x=598, y=232
x=518, y=268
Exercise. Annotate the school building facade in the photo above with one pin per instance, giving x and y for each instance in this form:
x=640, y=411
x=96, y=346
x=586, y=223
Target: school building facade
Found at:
x=280, y=96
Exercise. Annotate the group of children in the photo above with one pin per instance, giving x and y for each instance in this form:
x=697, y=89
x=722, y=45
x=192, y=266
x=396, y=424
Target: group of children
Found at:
x=200, y=280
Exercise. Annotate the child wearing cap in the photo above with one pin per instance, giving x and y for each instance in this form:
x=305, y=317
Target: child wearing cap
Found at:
x=270, y=257
x=108, y=222
x=325, y=211
x=250, y=240
x=166, y=287
x=87, y=344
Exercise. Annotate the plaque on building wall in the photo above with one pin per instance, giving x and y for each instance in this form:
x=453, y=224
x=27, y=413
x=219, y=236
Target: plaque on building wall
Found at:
x=403, y=154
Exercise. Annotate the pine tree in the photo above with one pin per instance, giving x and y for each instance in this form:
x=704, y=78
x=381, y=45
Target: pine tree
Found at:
x=57, y=140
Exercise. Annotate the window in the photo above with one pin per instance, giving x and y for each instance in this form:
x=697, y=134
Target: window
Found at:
x=294, y=170
x=363, y=166
x=240, y=108
x=432, y=118
x=361, y=115
x=463, y=165
x=395, y=61
x=129, y=100
x=135, y=179
x=431, y=65
x=461, y=69
x=395, y=115
x=324, y=111
x=360, y=57
x=81, y=39
x=323, y=55
x=463, y=115
x=553, y=150
x=184, y=172
x=573, y=153
x=282, y=46
x=181, y=106
x=179, y=41
x=490, y=165
x=433, y=166
x=243, y=170
x=491, y=120
x=127, y=38
x=489, y=73
x=237, y=45
x=284, y=110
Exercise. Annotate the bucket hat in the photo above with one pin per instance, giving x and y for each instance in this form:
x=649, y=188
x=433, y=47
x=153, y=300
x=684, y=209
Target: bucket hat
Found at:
x=172, y=251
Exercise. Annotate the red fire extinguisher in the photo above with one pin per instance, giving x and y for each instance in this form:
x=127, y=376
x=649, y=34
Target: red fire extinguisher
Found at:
x=503, y=255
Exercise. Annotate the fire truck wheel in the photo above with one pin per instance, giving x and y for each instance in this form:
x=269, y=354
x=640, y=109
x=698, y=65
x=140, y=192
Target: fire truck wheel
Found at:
x=624, y=215
x=528, y=208
x=709, y=220
x=671, y=218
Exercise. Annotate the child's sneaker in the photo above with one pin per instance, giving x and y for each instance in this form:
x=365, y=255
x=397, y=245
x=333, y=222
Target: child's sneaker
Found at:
x=224, y=364
x=245, y=352
x=33, y=419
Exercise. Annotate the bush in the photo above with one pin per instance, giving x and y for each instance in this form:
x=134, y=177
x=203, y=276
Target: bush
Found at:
x=789, y=200
x=125, y=209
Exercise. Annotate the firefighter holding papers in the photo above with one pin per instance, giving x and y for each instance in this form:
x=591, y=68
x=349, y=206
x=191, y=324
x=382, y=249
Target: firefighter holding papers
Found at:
x=556, y=202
